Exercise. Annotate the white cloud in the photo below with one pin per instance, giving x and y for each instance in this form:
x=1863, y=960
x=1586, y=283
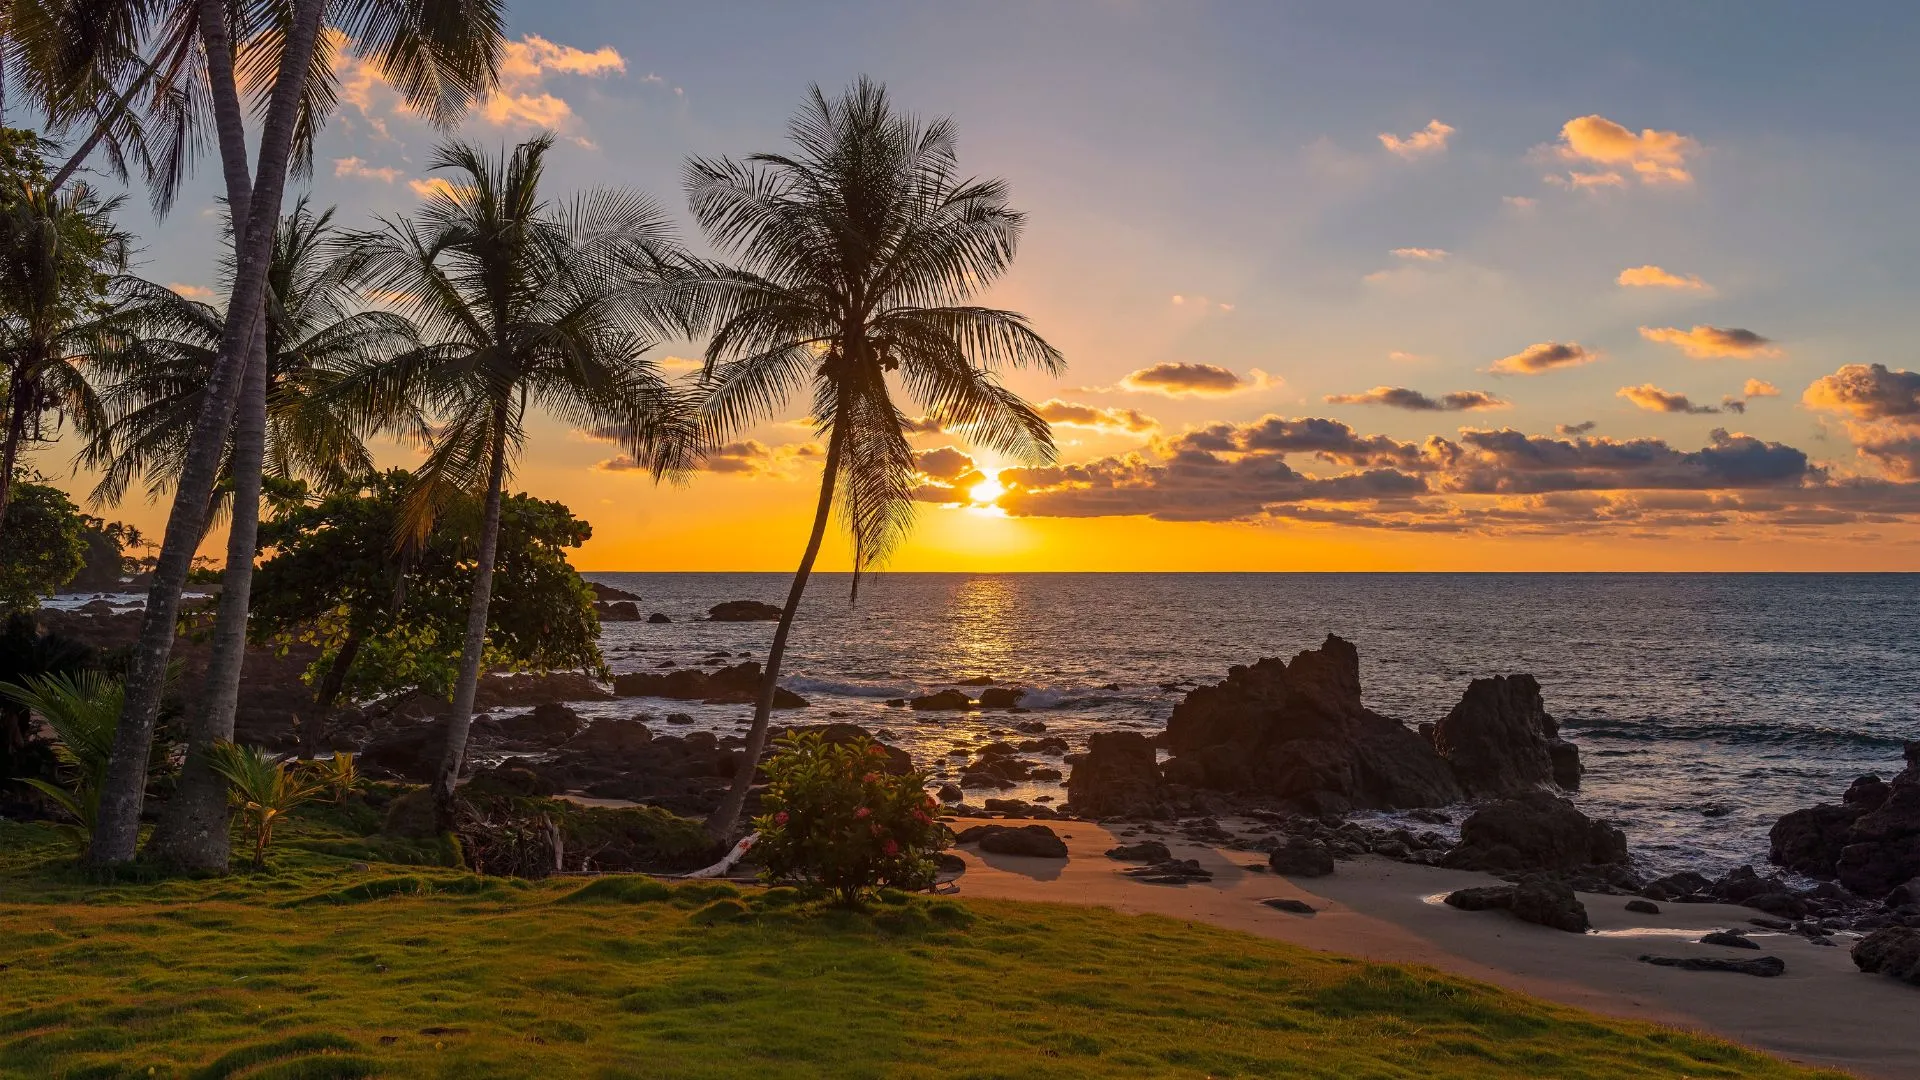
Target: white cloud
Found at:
x=1421, y=254
x=356, y=167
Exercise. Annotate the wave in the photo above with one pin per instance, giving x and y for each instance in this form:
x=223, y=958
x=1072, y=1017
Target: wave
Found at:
x=1744, y=734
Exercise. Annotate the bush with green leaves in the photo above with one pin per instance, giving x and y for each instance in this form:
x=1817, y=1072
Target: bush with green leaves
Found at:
x=82, y=710
x=264, y=789
x=835, y=817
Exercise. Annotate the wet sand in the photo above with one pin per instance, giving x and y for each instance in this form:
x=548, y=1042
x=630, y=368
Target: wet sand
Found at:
x=1823, y=1011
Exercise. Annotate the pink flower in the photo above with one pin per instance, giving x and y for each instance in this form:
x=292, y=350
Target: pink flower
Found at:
x=863, y=812
x=869, y=778
x=891, y=848
x=780, y=818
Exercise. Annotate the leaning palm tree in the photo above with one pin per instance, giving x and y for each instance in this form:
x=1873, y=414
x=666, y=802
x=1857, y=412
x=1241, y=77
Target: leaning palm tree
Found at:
x=855, y=256
x=315, y=334
x=57, y=252
x=526, y=304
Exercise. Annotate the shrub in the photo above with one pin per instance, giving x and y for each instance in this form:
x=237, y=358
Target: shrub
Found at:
x=82, y=710
x=263, y=788
x=835, y=817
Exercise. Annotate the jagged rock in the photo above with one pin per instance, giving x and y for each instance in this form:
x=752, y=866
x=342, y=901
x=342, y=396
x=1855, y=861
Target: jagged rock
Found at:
x=1036, y=841
x=1300, y=857
x=1534, y=831
x=1290, y=905
x=1672, y=887
x=1542, y=900
x=1765, y=967
x=613, y=735
x=1016, y=808
x=1481, y=898
x=510, y=778
x=738, y=684
x=1727, y=939
x=943, y=701
x=950, y=793
x=521, y=689
x=617, y=611
x=1643, y=907
x=1893, y=951
x=548, y=725
x=1002, y=697
x=1501, y=741
x=1883, y=848
x=743, y=611
x=1297, y=731
x=1117, y=777
x=658, y=617
x=1149, y=851
x=607, y=593
x=1810, y=841
x=1170, y=872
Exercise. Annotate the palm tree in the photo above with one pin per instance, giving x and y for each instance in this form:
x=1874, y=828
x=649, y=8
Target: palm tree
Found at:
x=856, y=254
x=81, y=709
x=526, y=304
x=440, y=54
x=56, y=254
x=313, y=337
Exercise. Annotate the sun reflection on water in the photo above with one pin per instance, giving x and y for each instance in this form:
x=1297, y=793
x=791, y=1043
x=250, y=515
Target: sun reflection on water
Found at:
x=980, y=636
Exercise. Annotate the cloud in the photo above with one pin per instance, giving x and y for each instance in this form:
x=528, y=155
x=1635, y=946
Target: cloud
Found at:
x=1421, y=254
x=1431, y=139
x=1760, y=388
x=1401, y=357
x=1653, y=277
x=1194, y=380
x=746, y=457
x=355, y=167
x=1522, y=203
x=431, y=186
x=1399, y=397
x=1509, y=462
x=1073, y=414
x=1544, y=356
x=521, y=99
x=1867, y=392
x=1581, y=428
x=1608, y=150
x=1653, y=399
x=1708, y=342
x=192, y=292
x=943, y=463
x=1198, y=303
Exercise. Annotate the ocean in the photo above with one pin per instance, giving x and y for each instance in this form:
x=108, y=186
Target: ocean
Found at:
x=1705, y=705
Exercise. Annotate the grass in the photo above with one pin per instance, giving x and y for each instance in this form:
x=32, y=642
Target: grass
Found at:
x=316, y=969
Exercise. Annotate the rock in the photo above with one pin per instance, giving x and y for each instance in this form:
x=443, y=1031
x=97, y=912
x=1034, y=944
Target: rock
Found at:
x=545, y=727
x=944, y=701
x=1534, y=831
x=1035, y=841
x=617, y=611
x=1004, y=697
x=1170, y=872
x=520, y=690
x=1118, y=776
x=1675, y=886
x=679, y=718
x=743, y=611
x=658, y=617
x=1300, y=857
x=1150, y=851
x=1883, y=848
x=1729, y=940
x=1547, y=902
x=1026, y=727
x=1481, y=898
x=1893, y=951
x=1501, y=741
x=1867, y=793
x=1297, y=731
x=1810, y=841
x=95, y=607
x=614, y=735
x=1643, y=907
x=510, y=779
x=1290, y=905
x=950, y=793
x=607, y=593
x=738, y=684
x=1765, y=967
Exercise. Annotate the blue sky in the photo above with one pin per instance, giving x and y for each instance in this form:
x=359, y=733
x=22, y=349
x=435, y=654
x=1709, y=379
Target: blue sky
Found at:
x=1230, y=155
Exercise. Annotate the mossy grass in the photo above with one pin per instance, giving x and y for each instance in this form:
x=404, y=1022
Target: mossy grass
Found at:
x=325, y=966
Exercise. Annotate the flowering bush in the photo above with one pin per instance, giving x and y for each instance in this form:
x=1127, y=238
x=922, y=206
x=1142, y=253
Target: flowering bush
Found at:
x=834, y=816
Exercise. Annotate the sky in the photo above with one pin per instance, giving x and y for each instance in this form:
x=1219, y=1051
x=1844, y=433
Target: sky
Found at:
x=1358, y=286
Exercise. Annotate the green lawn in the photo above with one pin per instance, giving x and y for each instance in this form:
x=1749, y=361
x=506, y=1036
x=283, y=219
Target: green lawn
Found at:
x=318, y=970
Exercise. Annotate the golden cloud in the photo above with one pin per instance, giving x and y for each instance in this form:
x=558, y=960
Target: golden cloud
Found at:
x=355, y=167
x=1653, y=399
x=1431, y=139
x=1544, y=356
x=1653, y=277
x=1194, y=380
x=1760, y=388
x=1073, y=414
x=1400, y=397
x=191, y=292
x=1421, y=254
x=1710, y=342
x=1607, y=148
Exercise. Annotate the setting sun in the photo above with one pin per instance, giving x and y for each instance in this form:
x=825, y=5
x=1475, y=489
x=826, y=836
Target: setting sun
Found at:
x=984, y=492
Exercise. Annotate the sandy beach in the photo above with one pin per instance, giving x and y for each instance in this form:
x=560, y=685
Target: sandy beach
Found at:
x=1821, y=1012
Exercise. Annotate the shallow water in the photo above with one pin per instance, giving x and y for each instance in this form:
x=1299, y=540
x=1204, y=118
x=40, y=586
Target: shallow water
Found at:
x=1705, y=705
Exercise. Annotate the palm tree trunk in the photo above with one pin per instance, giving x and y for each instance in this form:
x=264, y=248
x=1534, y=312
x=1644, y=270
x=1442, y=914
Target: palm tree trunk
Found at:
x=21, y=395
x=721, y=823
x=194, y=832
x=460, y=717
x=117, y=834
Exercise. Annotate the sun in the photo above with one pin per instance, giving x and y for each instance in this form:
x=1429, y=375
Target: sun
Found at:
x=984, y=492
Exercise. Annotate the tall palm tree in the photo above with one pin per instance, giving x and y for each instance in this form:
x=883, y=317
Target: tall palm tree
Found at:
x=855, y=256
x=526, y=304
x=57, y=253
x=440, y=54
x=154, y=388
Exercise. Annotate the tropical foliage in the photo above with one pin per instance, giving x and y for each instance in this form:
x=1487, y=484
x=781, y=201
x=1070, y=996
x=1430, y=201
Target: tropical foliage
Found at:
x=264, y=789
x=81, y=710
x=43, y=545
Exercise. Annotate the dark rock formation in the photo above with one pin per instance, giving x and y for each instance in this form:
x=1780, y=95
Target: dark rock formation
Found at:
x=1301, y=858
x=1036, y=841
x=1534, y=831
x=617, y=611
x=1298, y=732
x=1893, y=951
x=1643, y=907
x=1870, y=842
x=520, y=690
x=738, y=684
x=943, y=701
x=1810, y=841
x=1170, y=872
x=1548, y=902
x=1728, y=939
x=1501, y=741
x=608, y=594
x=1289, y=905
x=743, y=611
x=1002, y=697
x=548, y=725
x=613, y=735
x=1118, y=776
x=1765, y=967
x=1481, y=898
x=658, y=617
x=1148, y=851
x=950, y=793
